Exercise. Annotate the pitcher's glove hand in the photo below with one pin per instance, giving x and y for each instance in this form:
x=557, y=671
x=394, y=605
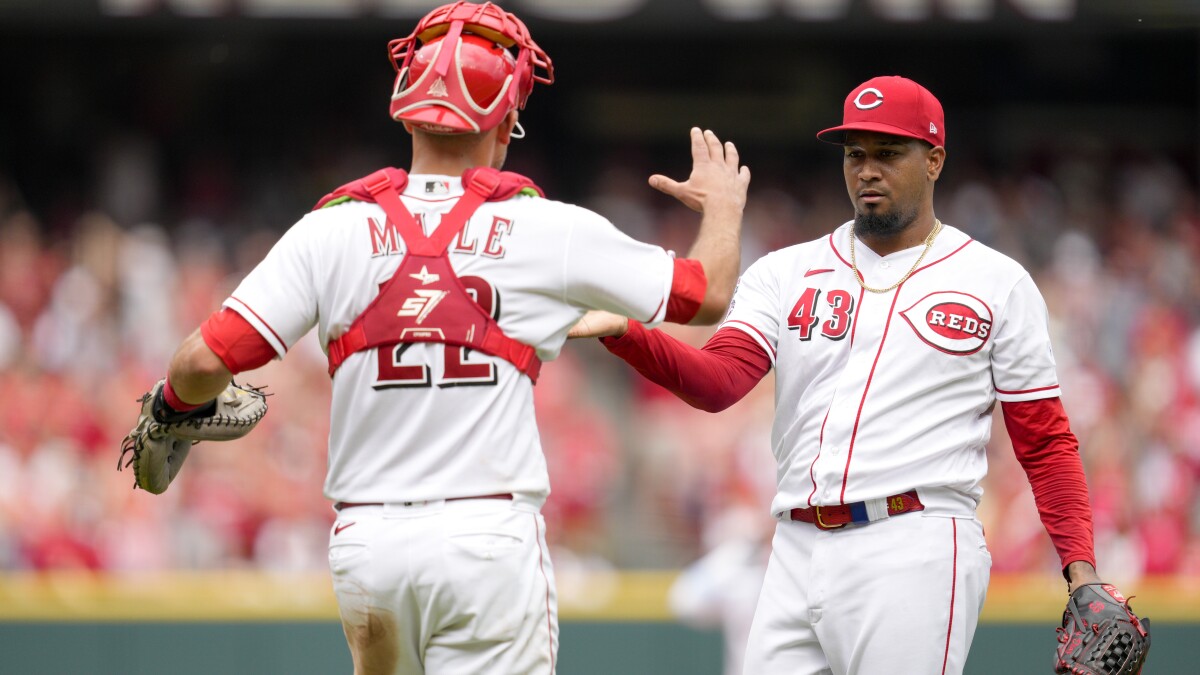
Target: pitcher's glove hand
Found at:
x=1100, y=634
x=162, y=438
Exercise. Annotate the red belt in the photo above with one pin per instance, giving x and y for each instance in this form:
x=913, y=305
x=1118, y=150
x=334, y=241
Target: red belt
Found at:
x=344, y=505
x=841, y=515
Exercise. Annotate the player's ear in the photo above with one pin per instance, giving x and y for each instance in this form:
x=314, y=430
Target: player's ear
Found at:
x=935, y=159
x=505, y=129
x=408, y=127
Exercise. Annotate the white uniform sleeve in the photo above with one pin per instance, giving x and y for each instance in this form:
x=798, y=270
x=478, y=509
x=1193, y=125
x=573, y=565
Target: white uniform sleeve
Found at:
x=755, y=306
x=606, y=269
x=279, y=296
x=1023, y=366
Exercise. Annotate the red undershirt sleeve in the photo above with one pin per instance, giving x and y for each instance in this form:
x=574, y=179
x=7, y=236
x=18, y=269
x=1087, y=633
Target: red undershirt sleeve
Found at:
x=1049, y=453
x=711, y=378
x=239, y=346
x=688, y=286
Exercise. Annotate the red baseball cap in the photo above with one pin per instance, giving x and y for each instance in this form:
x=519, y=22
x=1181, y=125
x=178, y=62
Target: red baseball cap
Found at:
x=891, y=105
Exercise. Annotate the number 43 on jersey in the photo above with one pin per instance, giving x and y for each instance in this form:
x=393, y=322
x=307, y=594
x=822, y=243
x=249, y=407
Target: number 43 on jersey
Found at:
x=837, y=304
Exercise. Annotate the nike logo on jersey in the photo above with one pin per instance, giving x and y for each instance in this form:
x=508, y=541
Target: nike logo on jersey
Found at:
x=425, y=277
x=338, y=530
x=950, y=322
x=814, y=272
x=422, y=305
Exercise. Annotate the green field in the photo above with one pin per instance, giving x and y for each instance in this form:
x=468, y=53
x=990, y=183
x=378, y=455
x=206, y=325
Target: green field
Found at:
x=235, y=623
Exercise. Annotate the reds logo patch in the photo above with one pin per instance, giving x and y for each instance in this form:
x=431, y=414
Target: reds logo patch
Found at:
x=950, y=322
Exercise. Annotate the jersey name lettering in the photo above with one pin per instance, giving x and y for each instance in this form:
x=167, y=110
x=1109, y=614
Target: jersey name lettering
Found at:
x=385, y=238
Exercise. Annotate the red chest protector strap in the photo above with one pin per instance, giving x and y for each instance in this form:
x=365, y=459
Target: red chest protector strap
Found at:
x=425, y=301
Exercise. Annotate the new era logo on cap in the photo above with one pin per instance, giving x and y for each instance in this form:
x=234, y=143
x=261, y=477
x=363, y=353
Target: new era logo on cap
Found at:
x=890, y=105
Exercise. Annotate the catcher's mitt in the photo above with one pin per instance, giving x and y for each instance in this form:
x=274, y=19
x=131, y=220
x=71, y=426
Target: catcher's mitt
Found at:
x=1100, y=634
x=162, y=438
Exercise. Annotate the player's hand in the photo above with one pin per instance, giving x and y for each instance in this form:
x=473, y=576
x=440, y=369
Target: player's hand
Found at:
x=717, y=181
x=599, y=324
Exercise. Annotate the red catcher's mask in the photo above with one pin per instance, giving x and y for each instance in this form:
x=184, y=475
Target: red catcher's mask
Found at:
x=462, y=77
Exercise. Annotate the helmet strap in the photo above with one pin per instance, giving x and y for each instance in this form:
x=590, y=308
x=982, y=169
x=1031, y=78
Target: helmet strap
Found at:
x=449, y=47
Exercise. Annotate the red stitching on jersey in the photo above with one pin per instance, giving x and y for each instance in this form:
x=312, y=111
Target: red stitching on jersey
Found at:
x=953, y=588
x=854, y=434
x=814, y=272
x=770, y=351
x=251, y=310
x=1025, y=391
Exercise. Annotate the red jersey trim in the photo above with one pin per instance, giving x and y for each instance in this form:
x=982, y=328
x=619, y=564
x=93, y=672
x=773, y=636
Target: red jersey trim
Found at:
x=765, y=343
x=866, y=390
x=953, y=589
x=250, y=309
x=1025, y=391
x=925, y=267
x=839, y=253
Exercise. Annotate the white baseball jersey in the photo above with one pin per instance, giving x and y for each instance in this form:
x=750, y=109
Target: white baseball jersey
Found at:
x=880, y=393
x=426, y=421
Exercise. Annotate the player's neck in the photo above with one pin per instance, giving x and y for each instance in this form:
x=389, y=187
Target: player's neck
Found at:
x=451, y=156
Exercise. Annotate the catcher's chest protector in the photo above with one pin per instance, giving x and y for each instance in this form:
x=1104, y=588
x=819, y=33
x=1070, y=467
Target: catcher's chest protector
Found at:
x=425, y=301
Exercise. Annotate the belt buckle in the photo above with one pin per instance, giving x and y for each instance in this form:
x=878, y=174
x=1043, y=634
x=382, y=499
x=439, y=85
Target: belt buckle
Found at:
x=822, y=524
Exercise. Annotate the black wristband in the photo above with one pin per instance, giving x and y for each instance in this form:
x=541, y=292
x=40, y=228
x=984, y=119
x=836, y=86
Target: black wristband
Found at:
x=165, y=414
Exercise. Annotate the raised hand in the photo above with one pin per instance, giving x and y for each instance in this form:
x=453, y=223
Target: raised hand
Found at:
x=716, y=179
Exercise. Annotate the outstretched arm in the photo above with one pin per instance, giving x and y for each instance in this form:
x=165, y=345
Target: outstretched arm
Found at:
x=711, y=378
x=717, y=189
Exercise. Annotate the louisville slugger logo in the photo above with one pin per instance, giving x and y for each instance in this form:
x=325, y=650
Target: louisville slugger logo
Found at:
x=954, y=323
x=421, y=305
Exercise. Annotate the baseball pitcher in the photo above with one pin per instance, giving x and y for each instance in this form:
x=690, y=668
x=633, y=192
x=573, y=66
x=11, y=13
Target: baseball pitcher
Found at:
x=892, y=339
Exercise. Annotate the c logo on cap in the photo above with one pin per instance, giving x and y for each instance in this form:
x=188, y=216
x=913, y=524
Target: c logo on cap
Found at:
x=867, y=106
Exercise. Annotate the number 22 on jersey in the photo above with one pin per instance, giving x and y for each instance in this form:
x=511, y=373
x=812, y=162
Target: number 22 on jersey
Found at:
x=457, y=371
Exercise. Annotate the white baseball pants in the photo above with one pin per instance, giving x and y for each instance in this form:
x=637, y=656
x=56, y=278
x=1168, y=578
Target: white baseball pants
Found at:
x=445, y=588
x=900, y=595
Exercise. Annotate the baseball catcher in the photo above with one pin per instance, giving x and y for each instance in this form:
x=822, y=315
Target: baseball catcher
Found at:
x=163, y=436
x=1100, y=634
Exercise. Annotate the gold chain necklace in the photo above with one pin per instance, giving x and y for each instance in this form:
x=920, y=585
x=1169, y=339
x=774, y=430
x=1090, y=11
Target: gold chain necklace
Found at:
x=937, y=227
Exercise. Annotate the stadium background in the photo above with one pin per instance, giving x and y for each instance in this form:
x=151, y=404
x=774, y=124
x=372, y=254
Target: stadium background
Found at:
x=152, y=150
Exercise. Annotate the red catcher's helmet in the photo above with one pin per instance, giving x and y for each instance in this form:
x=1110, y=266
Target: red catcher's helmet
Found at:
x=462, y=77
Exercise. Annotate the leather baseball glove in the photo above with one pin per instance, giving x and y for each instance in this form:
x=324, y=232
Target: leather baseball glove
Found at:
x=1100, y=634
x=163, y=437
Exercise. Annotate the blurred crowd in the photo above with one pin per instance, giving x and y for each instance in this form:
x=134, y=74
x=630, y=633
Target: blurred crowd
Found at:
x=94, y=299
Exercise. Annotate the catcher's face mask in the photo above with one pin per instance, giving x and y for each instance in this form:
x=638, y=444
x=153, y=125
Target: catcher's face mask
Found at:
x=463, y=76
